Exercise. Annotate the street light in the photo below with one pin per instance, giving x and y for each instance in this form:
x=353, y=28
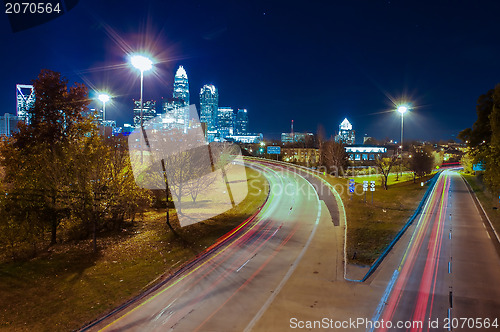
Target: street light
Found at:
x=402, y=109
x=104, y=98
x=143, y=64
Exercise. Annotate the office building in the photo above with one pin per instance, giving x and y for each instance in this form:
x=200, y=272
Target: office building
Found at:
x=247, y=138
x=241, y=122
x=209, y=105
x=176, y=109
x=225, y=122
x=25, y=96
x=346, y=134
x=148, y=111
x=8, y=124
x=364, y=152
x=295, y=137
x=181, y=86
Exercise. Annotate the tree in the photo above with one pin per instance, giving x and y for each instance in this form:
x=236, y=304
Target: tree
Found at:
x=37, y=162
x=320, y=134
x=480, y=133
x=467, y=161
x=384, y=165
x=59, y=173
x=483, y=138
x=371, y=141
x=421, y=161
x=334, y=157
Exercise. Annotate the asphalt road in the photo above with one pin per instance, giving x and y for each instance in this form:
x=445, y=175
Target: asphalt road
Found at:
x=227, y=289
x=449, y=274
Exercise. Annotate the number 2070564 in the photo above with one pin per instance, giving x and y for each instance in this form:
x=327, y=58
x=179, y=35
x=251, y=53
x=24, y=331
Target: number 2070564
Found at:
x=32, y=8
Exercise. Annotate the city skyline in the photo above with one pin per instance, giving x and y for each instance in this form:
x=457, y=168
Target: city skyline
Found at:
x=339, y=62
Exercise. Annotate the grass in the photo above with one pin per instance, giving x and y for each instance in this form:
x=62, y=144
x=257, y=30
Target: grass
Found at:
x=489, y=201
x=372, y=226
x=63, y=289
x=406, y=176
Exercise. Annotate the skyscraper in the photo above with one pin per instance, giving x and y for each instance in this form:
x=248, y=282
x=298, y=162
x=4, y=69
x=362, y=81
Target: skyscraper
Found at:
x=25, y=96
x=241, y=123
x=177, y=107
x=209, y=104
x=148, y=111
x=225, y=122
x=181, y=86
x=346, y=135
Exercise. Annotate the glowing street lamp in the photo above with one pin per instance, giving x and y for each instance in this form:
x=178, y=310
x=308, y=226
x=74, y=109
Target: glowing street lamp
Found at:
x=104, y=98
x=143, y=64
x=402, y=109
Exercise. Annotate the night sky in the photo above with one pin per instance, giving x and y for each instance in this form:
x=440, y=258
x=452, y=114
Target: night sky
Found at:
x=315, y=62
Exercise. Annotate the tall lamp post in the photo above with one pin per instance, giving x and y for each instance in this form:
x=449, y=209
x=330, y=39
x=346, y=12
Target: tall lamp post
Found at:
x=104, y=98
x=143, y=64
x=402, y=109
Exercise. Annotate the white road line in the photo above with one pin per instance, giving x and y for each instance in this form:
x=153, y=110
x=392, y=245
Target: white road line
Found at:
x=242, y=265
x=164, y=309
x=449, y=319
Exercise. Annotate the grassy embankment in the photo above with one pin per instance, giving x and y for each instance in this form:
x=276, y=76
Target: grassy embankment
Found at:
x=62, y=289
x=371, y=227
x=489, y=201
x=392, y=179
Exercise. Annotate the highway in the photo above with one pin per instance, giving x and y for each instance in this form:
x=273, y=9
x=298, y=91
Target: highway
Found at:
x=229, y=288
x=448, y=277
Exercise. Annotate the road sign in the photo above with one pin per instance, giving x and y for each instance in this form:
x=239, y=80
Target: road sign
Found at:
x=351, y=185
x=478, y=167
x=273, y=150
x=372, y=189
x=365, y=185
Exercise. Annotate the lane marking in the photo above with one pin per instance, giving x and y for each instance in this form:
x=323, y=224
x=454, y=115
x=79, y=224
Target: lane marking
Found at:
x=449, y=319
x=449, y=267
x=238, y=270
x=165, y=309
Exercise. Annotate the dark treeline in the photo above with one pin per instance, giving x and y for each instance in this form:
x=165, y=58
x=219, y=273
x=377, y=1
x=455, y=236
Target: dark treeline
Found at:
x=59, y=179
x=483, y=139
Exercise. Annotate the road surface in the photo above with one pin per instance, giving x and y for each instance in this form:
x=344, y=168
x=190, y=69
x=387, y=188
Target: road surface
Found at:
x=229, y=289
x=449, y=275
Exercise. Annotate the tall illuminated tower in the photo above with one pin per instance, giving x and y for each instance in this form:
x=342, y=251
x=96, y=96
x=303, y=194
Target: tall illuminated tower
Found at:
x=181, y=86
x=25, y=96
x=178, y=106
x=346, y=134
